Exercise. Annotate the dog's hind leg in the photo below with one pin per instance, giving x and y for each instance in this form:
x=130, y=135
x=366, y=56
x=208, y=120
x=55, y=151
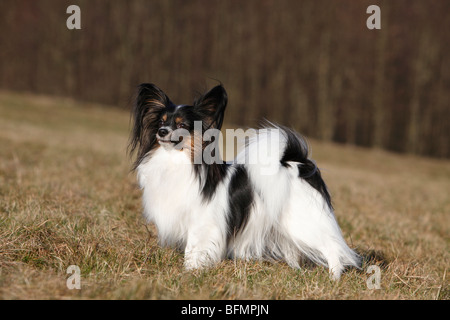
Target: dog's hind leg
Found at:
x=310, y=224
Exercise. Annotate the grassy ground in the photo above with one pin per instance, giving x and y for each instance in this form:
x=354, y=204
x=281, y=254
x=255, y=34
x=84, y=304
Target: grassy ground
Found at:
x=67, y=198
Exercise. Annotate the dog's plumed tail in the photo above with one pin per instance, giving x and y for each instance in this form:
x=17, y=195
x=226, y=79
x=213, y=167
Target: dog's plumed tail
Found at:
x=298, y=216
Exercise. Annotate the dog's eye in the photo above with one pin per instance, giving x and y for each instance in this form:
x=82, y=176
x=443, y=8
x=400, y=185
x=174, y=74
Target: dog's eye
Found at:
x=161, y=123
x=182, y=126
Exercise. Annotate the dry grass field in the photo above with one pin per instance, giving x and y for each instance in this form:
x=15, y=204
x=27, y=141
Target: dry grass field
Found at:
x=67, y=197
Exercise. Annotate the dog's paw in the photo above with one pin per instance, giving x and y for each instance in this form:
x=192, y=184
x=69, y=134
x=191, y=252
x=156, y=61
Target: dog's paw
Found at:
x=197, y=260
x=192, y=264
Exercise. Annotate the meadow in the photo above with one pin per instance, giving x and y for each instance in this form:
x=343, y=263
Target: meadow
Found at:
x=67, y=197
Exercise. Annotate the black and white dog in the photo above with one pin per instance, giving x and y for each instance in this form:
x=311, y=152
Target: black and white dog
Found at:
x=269, y=203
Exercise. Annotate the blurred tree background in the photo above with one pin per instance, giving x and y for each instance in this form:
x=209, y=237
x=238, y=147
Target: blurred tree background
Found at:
x=310, y=64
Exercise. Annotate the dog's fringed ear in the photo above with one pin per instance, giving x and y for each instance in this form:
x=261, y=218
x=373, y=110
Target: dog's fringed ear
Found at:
x=148, y=105
x=149, y=98
x=211, y=107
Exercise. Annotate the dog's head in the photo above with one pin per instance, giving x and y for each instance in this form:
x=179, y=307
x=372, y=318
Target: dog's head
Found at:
x=158, y=122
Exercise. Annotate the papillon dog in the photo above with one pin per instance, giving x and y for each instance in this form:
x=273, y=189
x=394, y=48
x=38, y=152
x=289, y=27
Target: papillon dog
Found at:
x=213, y=210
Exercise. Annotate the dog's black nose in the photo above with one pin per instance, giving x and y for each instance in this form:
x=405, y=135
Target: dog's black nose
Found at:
x=163, y=132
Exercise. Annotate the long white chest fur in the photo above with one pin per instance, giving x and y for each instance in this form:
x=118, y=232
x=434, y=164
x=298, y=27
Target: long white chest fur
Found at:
x=169, y=192
x=173, y=202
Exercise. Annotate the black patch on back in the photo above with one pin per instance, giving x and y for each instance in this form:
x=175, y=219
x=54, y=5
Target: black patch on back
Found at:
x=297, y=151
x=214, y=175
x=311, y=173
x=240, y=200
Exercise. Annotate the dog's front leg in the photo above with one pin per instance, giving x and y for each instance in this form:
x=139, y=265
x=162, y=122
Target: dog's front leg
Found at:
x=205, y=247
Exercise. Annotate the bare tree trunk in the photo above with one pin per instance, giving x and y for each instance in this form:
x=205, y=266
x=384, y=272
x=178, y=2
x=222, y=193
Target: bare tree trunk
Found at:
x=379, y=89
x=420, y=114
x=325, y=110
